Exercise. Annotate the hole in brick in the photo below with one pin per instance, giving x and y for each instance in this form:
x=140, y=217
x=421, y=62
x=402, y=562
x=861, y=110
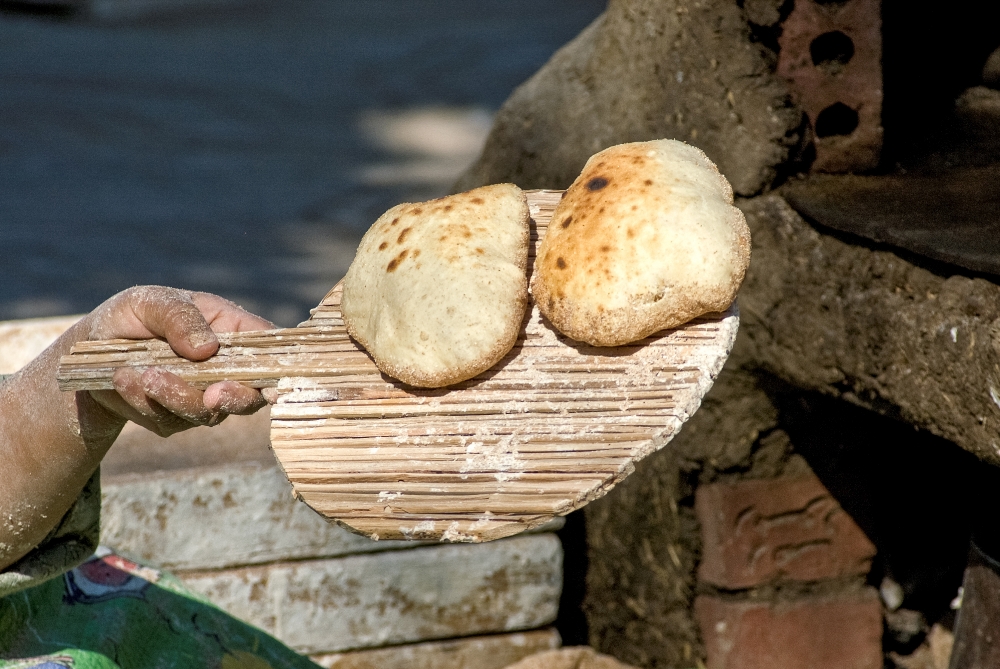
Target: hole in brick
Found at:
x=837, y=119
x=832, y=51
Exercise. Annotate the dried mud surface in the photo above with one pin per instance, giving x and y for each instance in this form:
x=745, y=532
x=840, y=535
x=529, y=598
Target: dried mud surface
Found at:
x=851, y=319
x=647, y=69
x=820, y=312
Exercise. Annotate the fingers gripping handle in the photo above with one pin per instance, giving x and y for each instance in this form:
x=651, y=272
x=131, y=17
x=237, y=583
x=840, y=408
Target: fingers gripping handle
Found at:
x=256, y=359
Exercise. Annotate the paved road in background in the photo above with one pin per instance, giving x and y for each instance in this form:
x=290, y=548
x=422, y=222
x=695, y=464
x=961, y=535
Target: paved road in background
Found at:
x=245, y=151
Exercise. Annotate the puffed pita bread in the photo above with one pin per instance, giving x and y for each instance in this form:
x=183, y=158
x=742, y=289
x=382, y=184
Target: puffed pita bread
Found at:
x=646, y=238
x=438, y=290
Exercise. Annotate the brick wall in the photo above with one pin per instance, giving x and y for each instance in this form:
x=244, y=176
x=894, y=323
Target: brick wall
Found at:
x=782, y=578
x=831, y=55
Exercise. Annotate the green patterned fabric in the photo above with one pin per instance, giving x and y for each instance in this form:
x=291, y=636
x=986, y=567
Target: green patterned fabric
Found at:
x=64, y=606
x=111, y=613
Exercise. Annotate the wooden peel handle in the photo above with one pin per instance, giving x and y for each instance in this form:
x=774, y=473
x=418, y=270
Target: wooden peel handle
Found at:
x=257, y=359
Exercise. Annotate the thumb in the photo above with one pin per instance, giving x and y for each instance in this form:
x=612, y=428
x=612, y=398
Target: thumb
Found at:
x=171, y=314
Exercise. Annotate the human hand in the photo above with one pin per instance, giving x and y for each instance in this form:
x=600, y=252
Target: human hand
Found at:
x=159, y=400
x=52, y=442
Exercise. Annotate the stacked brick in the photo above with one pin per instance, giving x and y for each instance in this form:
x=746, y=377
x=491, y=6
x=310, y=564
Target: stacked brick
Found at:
x=831, y=54
x=234, y=534
x=782, y=578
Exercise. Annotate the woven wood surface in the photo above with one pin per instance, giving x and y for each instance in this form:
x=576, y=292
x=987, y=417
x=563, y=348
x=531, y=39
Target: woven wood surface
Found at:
x=551, y=427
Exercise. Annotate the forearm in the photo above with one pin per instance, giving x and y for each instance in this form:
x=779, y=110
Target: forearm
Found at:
x=51, y=442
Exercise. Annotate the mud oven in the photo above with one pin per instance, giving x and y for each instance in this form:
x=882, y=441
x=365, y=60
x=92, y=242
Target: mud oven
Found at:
x=835, y=503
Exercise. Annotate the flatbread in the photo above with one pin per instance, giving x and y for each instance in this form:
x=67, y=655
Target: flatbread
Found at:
x=645, y=239
x=438, y=290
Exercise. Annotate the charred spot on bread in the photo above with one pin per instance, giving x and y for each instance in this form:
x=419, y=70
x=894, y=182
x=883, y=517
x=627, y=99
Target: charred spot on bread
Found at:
x=394, y=263
x=382, y=246
x=597, y=183
x=560, y=263
x=402, y=235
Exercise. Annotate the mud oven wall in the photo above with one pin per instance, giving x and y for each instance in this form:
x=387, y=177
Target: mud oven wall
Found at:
x=817, y=511
x=807, y=515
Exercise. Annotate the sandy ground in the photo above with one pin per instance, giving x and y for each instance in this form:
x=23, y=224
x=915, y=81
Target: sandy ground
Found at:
x=242, y=151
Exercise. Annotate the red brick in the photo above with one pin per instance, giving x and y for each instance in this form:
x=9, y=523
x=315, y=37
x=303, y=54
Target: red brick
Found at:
x=766, y=530
x=832, y=633
x=857, y=84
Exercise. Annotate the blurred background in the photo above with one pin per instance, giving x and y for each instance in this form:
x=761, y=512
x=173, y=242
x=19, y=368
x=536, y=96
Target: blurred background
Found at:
x=240, y=148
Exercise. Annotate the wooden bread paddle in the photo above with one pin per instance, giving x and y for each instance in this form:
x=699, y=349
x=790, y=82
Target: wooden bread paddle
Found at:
x=552, y=426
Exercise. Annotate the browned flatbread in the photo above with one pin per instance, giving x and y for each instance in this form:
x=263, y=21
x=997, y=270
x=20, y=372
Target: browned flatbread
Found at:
x=438, y=290
x=645, y=239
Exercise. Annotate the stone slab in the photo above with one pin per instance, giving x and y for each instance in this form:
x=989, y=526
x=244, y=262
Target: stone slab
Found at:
x=830, y=633
x=482, y=652
x=236, y=440
x=223, y=516
x=364, y=601
x=216, y=517
x=788, y=528
x=22, y=340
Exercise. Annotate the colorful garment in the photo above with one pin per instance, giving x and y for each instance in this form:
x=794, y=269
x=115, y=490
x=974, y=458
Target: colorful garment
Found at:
x=63, y=605
x=111, y=613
